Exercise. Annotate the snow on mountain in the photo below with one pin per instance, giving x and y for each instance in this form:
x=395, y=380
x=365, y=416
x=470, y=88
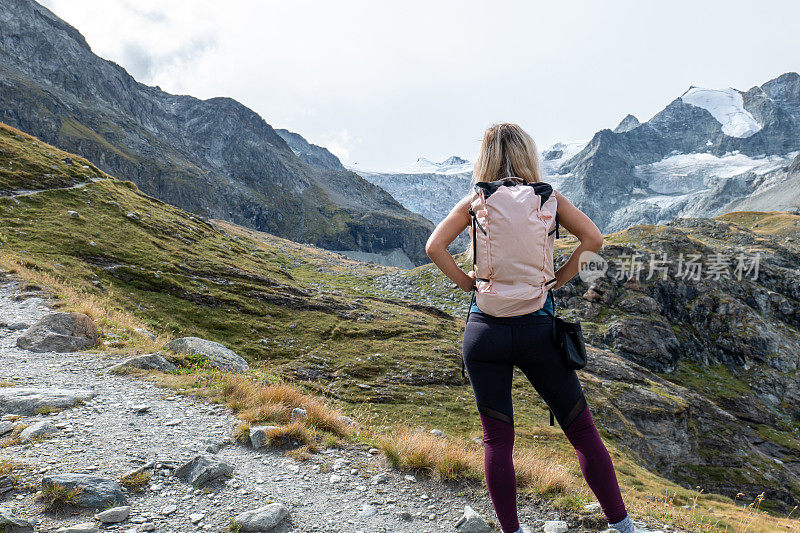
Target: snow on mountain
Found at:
x=727, y=106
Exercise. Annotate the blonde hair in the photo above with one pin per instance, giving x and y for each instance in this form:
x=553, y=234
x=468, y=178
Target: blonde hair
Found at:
x=507, y=150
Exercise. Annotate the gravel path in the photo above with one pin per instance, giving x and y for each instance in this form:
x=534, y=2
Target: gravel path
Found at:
x=106, y=437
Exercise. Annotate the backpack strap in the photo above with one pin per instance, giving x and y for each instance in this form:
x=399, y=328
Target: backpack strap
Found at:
x=554, y=230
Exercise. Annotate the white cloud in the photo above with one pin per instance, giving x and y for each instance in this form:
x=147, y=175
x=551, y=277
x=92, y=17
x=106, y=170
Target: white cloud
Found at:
x=340, y=144
x=415, y=77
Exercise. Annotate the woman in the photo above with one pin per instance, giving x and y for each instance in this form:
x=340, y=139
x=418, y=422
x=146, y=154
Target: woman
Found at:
x=494, y=345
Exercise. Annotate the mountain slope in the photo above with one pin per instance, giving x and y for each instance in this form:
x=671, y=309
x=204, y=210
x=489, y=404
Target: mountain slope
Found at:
x=384, y=343
x=213, y=157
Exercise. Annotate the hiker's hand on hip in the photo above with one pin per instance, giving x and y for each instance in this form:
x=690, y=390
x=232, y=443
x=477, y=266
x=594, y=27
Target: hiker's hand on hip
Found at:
x=469, y=282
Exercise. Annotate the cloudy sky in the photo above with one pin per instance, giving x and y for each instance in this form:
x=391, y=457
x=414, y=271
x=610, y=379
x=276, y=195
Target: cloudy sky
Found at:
x=381, y=83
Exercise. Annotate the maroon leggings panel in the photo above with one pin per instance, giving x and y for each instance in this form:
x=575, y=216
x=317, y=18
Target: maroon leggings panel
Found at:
x=498, y=442
x=596, y=465
x=593, y=457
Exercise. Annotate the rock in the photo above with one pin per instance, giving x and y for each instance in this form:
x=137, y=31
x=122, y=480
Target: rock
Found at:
x=73, y=214
x=298, y=413
x=404, y=515
x=555, y=526
x=472, y=522
x=347, y=420
x=168, y=510
x=148, y=526
x=262, y=519
x=377, y=479
x=59, y=332
x=6, y=427
x=14, y=524
x=610, y=530
x=145, y=333
x=93, y=491
x=27, y=401
x=84, y=527
x=150, y=361
x=114, y=515
x=7, y=483
x=335, y=478
x=203, y=469
x=592, y=295
x=259, y=434
x=39, y=429
x=195, y=518
x=17, y=326
x=367, y=510
x=592, y=507
x=215, y=353
x=437, y=433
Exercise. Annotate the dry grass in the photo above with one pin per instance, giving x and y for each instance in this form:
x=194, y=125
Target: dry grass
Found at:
x=257, y=402
x=7, y=466
x=57, y=498
x=295, y=432
x=136, y=481
x=457, y=459
x=13, y=439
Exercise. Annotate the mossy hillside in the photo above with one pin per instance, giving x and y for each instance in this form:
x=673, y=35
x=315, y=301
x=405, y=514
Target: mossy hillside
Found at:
x=28, y=164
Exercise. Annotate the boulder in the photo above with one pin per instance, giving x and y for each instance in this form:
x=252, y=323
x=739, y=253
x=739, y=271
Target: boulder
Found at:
x=27, y=401
x=14, y=524
x=59, y=332
x=215, y=353
x=39, y=429
x=93, y=491
x=114, y=515
x=149, y=361
x=259, y=434
x=472, y=522
x=262, y=519
x=203, y=469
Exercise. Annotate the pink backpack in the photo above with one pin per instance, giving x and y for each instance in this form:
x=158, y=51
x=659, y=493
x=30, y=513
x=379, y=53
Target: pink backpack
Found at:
x=513, y=227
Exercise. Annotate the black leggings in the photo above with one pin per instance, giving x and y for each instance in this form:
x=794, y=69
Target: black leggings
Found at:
x=494, y=345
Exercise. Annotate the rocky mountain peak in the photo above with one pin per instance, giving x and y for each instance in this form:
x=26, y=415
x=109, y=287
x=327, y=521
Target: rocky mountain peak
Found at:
x=454, y=160
x=627, y=124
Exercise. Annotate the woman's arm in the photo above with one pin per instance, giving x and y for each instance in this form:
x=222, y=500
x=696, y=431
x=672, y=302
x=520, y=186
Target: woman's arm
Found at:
x=445, y=233
x=577, y=223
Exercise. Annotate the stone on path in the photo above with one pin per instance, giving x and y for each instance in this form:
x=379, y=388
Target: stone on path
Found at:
x=555, y=526
x=259, y=434
x=85, y=527
x=27, y=401
x=215, y=353
x=114, y=515
x=472, y=522
x=13, y=524
x=149, y=361
x=59, y=332
x=261, y=519
x=93, y=491
x=6, y=427
x=203, y=469
x=39, y=429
